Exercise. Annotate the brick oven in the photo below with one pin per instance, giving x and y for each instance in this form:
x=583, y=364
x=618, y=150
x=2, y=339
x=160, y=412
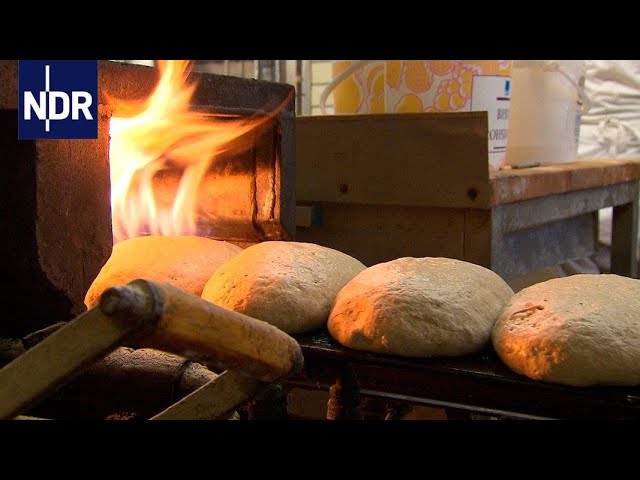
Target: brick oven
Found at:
x=56, y=208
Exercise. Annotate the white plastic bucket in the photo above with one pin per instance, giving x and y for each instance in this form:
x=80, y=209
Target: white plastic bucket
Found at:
x=547, y=102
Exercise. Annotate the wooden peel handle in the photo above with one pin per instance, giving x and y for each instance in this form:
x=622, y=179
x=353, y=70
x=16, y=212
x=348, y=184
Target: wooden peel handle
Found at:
x=190, y=326
x=164, y=318
x=54, y=362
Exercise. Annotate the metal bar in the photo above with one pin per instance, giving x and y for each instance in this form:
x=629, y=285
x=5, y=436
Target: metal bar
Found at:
x=305, y=104
x=344, y=396
x=367, y=392
x=539, y=211
x=624, y=237
x=459, y=406
x=267, y=70
x=282, y=71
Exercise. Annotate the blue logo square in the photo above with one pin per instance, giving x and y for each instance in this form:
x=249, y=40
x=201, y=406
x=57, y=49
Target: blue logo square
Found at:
x=58, y=99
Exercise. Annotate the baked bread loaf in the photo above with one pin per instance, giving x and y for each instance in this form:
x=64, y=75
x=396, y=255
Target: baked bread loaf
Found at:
x=579, y=330
x=290, y=285
x=186, y=262
x=419, y=307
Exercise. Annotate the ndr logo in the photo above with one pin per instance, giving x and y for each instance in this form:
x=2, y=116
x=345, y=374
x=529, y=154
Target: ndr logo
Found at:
x=57, y=99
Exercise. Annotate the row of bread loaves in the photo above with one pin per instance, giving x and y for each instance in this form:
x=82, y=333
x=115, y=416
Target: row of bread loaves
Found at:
x=579, y=330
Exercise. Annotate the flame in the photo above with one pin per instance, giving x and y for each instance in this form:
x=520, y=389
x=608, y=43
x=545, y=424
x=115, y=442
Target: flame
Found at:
x=162, y=133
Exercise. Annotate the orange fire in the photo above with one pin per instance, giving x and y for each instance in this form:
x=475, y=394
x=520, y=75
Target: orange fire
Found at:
x=158, y=134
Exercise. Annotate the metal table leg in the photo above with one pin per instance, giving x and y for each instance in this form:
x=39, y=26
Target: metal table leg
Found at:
x=624, y=238
x=344, y=396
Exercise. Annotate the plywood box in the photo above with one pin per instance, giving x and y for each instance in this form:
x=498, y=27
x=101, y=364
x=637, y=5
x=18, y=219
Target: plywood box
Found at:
x=421, y=159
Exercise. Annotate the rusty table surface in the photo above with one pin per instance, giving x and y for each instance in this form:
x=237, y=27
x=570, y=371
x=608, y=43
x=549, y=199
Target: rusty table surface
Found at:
x=479, y=383
x=543, y=216
x=517, y=184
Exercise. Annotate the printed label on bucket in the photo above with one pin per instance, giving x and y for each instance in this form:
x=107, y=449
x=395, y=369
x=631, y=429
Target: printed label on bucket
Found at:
x=493, y=94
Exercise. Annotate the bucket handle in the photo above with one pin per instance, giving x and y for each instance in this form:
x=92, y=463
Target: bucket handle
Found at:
x=585, y=101
x=355, y=66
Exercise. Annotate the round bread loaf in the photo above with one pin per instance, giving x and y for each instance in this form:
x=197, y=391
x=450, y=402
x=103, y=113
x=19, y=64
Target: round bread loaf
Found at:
x=419, y=307
x=186, y=262
x=579, y=330
x=288, y=284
